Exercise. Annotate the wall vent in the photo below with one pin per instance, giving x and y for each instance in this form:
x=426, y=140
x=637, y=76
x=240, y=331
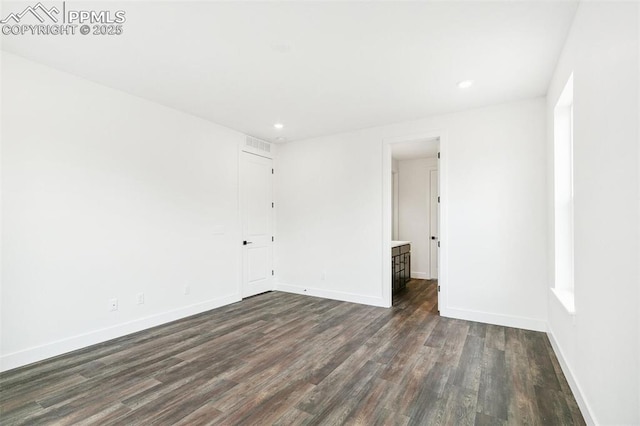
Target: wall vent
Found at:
x=258, y=147
x=258, y=144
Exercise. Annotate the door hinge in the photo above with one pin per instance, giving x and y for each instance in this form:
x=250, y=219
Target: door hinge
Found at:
x=273, y=205
x=438, y=243
x=272, y=272
x=272, y=171
x=438, y=155
x=272, y=239
x=438, y=288
x=438, y=198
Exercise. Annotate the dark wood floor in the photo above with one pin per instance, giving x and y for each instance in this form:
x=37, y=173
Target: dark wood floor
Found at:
x=286, y=359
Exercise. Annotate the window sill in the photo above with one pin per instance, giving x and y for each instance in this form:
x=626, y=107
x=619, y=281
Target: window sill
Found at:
x=566, y=299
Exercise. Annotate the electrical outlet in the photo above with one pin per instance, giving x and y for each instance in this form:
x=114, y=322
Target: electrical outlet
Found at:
x=187, y=289
x=140, y=298
x=113, y=305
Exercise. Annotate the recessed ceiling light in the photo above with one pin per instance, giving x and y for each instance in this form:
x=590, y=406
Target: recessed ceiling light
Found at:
x=278, y=126
x=465, y=84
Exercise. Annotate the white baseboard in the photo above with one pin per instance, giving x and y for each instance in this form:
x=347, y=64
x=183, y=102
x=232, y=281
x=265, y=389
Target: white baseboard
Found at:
x=39, y=353
x=586, y=411
x=496, y=319
x=329, y=294
x=420, y=275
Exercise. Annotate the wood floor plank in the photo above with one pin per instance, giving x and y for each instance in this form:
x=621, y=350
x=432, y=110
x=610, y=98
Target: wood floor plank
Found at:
x=404, y=355
x=487, y=420
x=542, y=370
x=20, y=412
x=336, y=386
x=170, y=407
x=87, y=404
x=478, y=329
x=493, y=396
x=553, y=406
x=495, y=337
x=204, y=416
x=367, y=410
x=293, y=417
x=410, y=381
x=460, y=406
x=454, y=342
x=427, y=407
x=106, y=416
x=565, y=392
x=336, y=408
x=522, y=409
x=469, y=368
x=438, y=336
x=288, y=359
x=22, y=399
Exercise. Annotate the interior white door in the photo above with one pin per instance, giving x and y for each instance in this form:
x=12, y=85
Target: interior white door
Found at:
x=256, y=209
x=433, y=225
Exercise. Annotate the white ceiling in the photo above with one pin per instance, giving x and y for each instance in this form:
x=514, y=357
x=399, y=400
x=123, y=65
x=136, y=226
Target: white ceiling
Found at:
x=424, y=148
x=317, y=67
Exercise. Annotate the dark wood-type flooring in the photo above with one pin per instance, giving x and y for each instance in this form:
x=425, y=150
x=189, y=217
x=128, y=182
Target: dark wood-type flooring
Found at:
x=287, y=359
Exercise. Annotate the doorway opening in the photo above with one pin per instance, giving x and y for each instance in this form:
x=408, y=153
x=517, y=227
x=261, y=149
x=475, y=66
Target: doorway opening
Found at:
x=413, y=232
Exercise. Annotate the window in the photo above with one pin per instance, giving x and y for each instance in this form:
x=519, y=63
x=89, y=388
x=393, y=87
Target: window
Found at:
x=563, y=196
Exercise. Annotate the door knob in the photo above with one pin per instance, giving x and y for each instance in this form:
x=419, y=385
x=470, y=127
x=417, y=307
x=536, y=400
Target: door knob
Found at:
x=244, y=243
x=433, y=238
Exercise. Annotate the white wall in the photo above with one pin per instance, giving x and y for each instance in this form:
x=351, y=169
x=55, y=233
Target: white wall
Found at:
x=599, y=346
x=106, y=195
x=329, y=193
x=414, y=211
x=329, y=211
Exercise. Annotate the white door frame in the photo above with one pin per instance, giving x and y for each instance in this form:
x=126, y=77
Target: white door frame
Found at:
x=395, y=209
x=387, y=215
x=433, y=202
